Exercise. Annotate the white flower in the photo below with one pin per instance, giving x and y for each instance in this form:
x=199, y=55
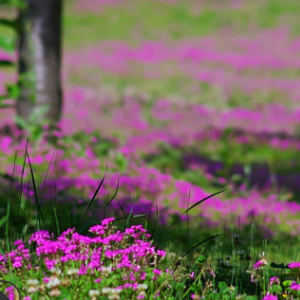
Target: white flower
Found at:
x=142, y=295
x=54, y=281
x=114, y=296
x=93, y=293
x=32, y=282
x=106, y=270
x=32, y=289
x=55, y=271
x=55, y=292
x=106, y=290
x=142, y=286
x=72, y=272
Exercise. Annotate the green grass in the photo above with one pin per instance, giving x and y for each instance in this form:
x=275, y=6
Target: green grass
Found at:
x=136, y=21
x=178, y=86
x=155, y=20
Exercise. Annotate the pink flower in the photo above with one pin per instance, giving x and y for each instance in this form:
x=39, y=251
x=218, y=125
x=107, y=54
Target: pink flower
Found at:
x=107, y=221
x=46, y=279
x=98, y=229
x=260, y=263
x=161, y=253
x=157, y=272
x=270, y=297
x=274, y=280
x=141, y=296
x=40, y=237
x=294, y=265
x=11, y=292
x=295, y=286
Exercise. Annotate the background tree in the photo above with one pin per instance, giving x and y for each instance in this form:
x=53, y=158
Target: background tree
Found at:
x=39, y=49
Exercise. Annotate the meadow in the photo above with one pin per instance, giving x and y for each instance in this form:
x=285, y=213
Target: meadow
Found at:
x=175, y=170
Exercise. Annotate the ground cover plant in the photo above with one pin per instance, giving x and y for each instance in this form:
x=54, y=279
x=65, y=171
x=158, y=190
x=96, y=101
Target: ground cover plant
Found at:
x=174, y=172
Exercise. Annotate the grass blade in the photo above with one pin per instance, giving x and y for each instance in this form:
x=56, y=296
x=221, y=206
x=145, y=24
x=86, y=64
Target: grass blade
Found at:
x=194, y=247
x=6, y=229
x=202, y=242
x=40, y=215
x=132, y=217
x=56, y=221
x=45, y=178
x=14, y=169
x=3, y=220
x=112, y=198
x=149, y=216
x=55, y=211
x=96, y=192
x=122, y=210
x=187, y=221
x=155, y=221
x=129, y=217
x=22, y=174
x=71, y=218
x=107, y=203
x=202, y=200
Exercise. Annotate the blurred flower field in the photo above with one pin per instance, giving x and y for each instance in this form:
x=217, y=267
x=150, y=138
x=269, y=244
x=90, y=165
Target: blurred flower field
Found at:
x=166, y=102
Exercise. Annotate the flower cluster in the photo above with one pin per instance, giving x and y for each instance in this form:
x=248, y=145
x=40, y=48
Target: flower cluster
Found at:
x=111, y=263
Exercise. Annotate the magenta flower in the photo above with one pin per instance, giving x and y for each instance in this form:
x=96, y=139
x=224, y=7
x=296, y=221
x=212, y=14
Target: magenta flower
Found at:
x=40, y=237
x=295, y=286
x=294, y=265
x=107, y=221
x=124, y=253
x=274, y=280
x=11, y=292
x=161, y=253
x=157, y=272
x=260, y=263
x=270, y=297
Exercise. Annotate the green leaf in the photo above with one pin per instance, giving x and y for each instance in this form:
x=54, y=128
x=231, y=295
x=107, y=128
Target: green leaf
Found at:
x=276, y=288
x=201, y=258
x=6, y=43
x=279, y=266
x=13, y=91
x=287, y=283
x=21, y=4
x=22, y=123
x=3, y=97
x=38, y=112
x=6, y=63
x=121, y=161
x=222, y=286
x=37, y=132
x=13, y=24
x=251, y=298
x=3, y=220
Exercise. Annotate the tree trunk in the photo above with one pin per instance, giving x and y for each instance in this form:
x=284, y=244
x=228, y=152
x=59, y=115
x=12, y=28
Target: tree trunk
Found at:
x=39, y=60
